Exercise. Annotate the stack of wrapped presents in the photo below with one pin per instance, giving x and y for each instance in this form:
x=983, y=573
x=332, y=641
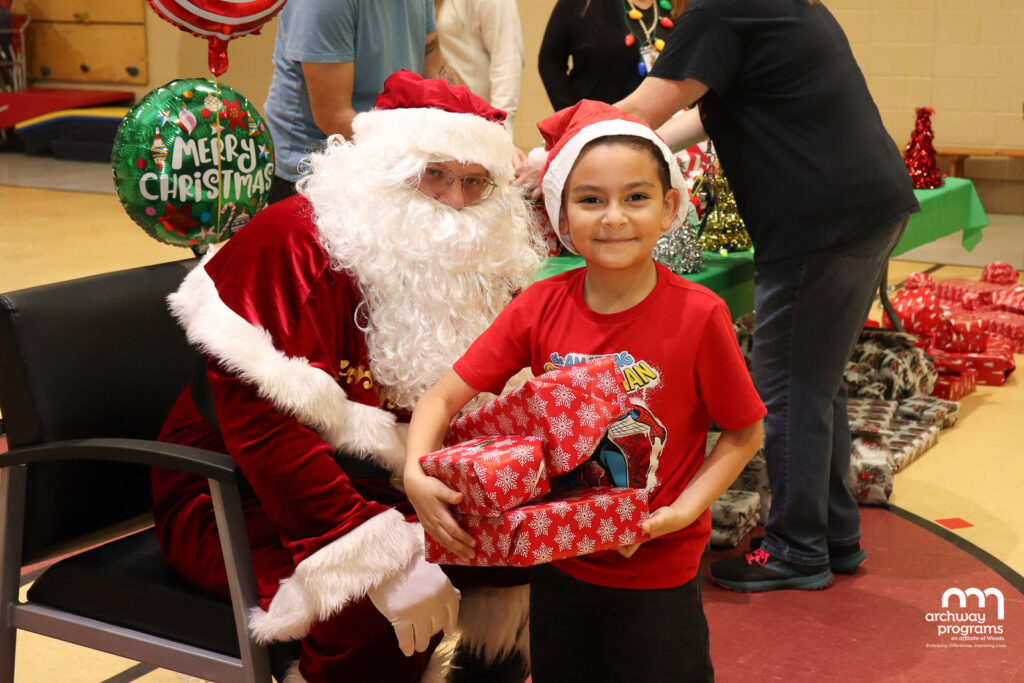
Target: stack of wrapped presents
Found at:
x=888, y=436
x=971, y=328
x=531, y=491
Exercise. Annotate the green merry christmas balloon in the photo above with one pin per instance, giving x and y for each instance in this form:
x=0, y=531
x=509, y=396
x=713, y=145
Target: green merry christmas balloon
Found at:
x=193, y=162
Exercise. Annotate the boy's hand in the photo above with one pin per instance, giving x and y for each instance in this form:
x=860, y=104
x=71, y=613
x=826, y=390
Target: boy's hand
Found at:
x=662, y=521
x=431, y=499
x=628, y=550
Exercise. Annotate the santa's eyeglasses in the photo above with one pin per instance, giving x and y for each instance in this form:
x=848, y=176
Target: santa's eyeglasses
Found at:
x=437, y=179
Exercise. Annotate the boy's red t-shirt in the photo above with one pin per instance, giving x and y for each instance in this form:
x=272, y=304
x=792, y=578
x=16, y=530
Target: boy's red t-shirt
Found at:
x=683, y=369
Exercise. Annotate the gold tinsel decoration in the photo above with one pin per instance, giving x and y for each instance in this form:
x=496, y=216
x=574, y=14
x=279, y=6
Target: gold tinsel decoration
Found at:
x=724, y=229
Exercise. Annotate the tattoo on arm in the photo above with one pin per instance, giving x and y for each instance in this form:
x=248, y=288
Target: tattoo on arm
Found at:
x=447, y=74
x=431, y=46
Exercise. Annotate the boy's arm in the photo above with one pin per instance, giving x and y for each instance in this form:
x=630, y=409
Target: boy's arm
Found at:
x=430, y=419
x=734, y=448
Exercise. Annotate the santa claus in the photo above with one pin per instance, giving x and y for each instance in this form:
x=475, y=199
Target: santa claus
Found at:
x=322, y=322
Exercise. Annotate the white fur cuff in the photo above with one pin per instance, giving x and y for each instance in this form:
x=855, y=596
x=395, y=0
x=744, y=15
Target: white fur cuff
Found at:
x=294, y=386
x=336, y=574
x=494, y=621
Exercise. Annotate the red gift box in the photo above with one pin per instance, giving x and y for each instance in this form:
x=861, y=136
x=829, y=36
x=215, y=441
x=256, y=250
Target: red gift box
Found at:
x=495, y=474
x=962, y=333
x=570, y=409
x=993, y=364
x=1000, y=273
x=917, y=307
x=953, y=387
x=565, y=524
x=1006, y=324
x=955, y=290
x=1011, y=299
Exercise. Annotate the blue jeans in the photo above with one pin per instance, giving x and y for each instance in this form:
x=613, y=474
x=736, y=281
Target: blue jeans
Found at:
x=809, y=314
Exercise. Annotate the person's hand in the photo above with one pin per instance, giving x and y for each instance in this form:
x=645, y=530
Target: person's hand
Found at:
x=628, y=550
x=662, y=521
x=431, y=499
x=527, y=172
x=418, y=602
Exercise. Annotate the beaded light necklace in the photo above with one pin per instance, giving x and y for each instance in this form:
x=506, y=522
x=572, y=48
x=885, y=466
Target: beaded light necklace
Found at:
x=650, y=49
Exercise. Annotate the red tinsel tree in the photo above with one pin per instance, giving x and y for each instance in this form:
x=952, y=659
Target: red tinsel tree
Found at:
x=920, y=154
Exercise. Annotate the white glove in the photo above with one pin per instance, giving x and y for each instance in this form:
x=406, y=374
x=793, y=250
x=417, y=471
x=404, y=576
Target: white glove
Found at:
x=418, y=602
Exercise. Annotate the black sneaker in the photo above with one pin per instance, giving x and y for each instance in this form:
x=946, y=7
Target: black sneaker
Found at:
x=759, y=571
x=842, y=559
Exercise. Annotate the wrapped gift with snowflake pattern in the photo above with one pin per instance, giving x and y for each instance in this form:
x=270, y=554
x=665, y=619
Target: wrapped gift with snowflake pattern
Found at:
x=559, y=525
x=494, y=473
x=570, y=409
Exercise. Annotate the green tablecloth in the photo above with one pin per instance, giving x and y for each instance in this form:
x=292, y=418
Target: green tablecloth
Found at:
x=952, y=208
x=955, y=207
x=731, y=277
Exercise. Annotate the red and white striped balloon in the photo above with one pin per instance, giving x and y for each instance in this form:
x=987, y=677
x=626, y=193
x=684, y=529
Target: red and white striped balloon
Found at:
x=218, y=21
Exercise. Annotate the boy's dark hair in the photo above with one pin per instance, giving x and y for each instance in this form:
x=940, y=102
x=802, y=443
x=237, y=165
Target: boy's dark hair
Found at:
x=639, y=144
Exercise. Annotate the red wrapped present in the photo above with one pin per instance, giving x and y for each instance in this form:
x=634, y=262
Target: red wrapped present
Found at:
x=570, y=409
x=495, y=474
x=961, y=333
x=1005, y=324
x=917, y=306
x=1010, y=299
x=565, y=524
x=993, y=364
x=993, y=378
x=999, y=273
x=953, y=387
x=956, y=289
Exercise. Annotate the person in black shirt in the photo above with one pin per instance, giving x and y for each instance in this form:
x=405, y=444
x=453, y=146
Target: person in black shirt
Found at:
x=825, y=195
x=606, y=65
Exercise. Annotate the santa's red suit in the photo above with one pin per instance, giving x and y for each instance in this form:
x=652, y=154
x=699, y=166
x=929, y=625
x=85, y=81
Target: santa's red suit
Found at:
x=292, y=385
x=289, y=376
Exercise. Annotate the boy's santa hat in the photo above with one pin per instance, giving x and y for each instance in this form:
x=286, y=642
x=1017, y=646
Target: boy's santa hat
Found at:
x=430, y=117
x=569, y=130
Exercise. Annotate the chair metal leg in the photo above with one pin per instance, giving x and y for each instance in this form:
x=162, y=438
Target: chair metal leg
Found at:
x=234, y=542
x=12, y=515
x=883, y=298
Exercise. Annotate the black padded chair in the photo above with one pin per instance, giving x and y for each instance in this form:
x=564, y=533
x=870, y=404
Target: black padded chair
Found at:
x=88, y=370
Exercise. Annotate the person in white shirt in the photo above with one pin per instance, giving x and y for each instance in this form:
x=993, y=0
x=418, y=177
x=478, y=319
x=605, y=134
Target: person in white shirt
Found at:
x=482, y=41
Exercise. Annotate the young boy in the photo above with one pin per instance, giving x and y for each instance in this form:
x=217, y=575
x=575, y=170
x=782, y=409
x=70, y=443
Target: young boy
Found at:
x=612, y=187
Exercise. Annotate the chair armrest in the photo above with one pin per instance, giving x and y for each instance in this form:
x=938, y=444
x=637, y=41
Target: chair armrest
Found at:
x=208, y=464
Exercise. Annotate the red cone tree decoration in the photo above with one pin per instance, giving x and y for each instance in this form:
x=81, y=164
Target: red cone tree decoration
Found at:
x=920, y=154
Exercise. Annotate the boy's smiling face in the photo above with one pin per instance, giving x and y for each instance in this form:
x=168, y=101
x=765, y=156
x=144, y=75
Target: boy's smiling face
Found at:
x=615, y=208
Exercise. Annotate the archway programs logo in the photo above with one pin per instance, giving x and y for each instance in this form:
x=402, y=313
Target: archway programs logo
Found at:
x=970, y=617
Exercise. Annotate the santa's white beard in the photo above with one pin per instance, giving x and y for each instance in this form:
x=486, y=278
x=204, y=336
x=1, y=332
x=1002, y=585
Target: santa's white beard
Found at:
x=432, y=277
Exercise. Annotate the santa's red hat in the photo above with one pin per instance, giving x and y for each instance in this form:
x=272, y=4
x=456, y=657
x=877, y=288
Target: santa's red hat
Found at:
x=566, y=133
x=431, y=117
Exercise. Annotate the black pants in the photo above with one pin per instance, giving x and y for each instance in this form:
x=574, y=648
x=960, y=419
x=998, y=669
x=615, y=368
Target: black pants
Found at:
x=583, y=632
x=280, y=189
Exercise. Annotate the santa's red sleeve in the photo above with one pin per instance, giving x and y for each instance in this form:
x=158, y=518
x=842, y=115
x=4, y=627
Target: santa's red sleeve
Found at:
x=275, y=323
